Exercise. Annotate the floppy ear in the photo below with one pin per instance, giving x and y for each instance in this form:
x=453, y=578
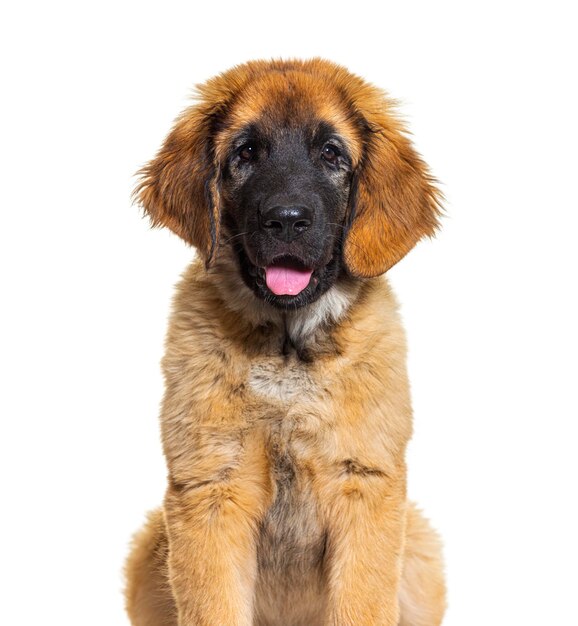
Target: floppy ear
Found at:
x=394, y=202
x=178, y=187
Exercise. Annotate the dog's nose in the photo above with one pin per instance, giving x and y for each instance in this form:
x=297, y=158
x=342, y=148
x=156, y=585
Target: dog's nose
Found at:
x=287, y=222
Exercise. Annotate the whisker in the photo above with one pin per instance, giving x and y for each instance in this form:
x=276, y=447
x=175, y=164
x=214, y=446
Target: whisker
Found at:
x=234, y=236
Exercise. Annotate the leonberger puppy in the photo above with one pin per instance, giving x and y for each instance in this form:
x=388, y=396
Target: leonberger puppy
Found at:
x=287, y=409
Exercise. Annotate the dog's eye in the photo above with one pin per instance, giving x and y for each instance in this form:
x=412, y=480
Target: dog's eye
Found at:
x=247, y=152
x=330, y=153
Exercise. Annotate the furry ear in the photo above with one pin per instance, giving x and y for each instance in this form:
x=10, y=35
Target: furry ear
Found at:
x=178, y=188
x=394, y=202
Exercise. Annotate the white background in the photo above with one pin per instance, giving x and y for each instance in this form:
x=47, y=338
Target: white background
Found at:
x=90, y=90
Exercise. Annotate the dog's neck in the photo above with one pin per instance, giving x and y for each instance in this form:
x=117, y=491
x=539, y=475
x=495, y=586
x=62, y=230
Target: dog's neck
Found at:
x=302, y=330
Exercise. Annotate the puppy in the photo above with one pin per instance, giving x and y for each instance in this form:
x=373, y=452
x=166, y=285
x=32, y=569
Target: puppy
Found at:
x=287, y=410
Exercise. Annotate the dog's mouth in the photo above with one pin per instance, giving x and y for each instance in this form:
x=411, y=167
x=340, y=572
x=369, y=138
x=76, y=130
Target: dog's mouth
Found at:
x=287, y=276
x=287, y=281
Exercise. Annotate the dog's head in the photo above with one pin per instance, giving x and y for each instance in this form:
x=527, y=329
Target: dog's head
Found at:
x=302, y=168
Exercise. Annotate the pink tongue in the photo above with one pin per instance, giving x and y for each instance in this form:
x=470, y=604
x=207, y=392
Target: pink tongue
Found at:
x=286, y=281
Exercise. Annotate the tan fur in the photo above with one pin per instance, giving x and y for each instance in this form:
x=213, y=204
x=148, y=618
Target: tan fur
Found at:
x=286, y=502
x=421, y=594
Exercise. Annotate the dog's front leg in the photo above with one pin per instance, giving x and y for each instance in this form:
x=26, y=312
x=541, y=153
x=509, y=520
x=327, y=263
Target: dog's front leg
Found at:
x=212, y=527
x=366, y=525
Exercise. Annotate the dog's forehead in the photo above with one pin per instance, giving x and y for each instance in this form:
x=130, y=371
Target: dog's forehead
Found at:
x=293, y=100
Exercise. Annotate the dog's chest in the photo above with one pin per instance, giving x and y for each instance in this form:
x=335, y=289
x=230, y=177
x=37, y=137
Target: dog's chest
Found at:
x=291, y=545
x=283, y=380
x=291, y=532
x=291, y=539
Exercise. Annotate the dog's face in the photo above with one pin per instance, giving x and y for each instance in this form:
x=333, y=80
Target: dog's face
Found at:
x=285, y=189
x=301, y=168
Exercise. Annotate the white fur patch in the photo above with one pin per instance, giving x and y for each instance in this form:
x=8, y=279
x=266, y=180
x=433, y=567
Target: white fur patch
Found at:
x=282, y=381
x=329, y=309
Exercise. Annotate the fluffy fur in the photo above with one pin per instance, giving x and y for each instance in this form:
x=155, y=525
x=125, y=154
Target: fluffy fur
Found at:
x=285, y=429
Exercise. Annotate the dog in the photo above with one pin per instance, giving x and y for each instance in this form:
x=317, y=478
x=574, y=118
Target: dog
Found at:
x=287, y=411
